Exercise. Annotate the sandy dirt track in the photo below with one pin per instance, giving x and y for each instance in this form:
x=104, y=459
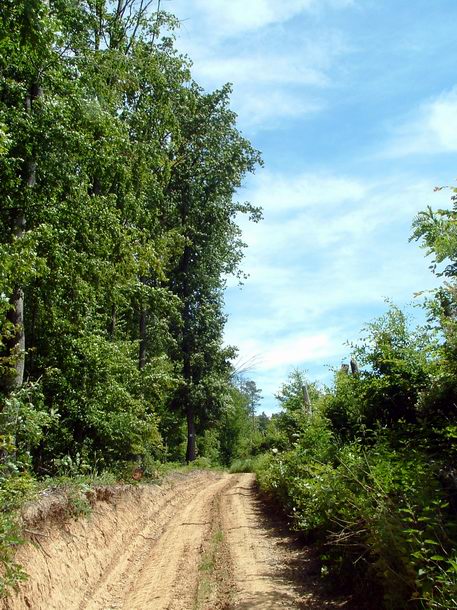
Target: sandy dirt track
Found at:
x=200, y=541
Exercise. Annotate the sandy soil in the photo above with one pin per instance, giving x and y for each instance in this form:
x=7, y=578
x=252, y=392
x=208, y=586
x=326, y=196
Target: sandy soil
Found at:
x=201, y=541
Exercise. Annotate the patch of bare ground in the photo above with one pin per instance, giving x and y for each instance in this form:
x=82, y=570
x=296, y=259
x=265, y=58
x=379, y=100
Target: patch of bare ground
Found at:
x=200, y=541
x=215, y=588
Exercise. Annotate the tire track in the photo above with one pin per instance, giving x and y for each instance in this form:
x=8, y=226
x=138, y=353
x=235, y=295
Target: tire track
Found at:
x=160, y=569
x=259, y=586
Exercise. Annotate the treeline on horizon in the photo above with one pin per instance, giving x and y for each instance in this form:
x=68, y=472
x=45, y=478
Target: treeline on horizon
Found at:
x=118, y=227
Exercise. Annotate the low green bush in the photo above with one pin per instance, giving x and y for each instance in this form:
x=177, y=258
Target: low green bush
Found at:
x=14, y=490
x=379, y=514
x=255, y=464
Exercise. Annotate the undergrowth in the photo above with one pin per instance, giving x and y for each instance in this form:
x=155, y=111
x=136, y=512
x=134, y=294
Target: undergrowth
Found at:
x=367, y=471
x=381, y=519
x=14, y=490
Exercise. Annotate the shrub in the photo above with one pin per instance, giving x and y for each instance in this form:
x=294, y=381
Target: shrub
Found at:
x=379, y=514
x=14, y=490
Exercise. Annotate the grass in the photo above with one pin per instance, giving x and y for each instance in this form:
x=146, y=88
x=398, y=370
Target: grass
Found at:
x=207, y=569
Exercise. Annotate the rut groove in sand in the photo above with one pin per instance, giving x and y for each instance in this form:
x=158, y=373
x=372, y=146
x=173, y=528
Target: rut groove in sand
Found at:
x=144, y=548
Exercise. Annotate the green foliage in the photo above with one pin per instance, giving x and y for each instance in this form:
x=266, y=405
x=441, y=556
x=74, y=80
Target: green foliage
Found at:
x=24, y=421
x=131, y=226
x=111, y=415
x=238, y=430
x=210, y=447
x=368, y=473
x=14, y=490
x=397, y=366
x=438, y=235
x=380, y=513
x=256, y=464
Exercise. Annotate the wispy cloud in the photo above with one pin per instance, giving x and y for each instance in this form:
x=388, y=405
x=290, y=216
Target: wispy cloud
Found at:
x=288, y=350
x=264, y=70
x=432, y=129
x=278, y=192
x=322, y=78
x=262, y=109
x=277, y=73
x=330, y=249
x=234, y=17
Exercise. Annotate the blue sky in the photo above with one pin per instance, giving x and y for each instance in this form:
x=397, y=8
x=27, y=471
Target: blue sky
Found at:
x=353, y=104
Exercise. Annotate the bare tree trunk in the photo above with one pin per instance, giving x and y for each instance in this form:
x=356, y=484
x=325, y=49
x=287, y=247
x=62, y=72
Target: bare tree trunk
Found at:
x=143, y=327
x=32, y=308
x=191, y=452
x=306, y=400
x=99, y=26
x=354, y=367
x=16, y=345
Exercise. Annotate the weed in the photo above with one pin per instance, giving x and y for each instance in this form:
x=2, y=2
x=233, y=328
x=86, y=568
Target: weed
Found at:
x=207, y=569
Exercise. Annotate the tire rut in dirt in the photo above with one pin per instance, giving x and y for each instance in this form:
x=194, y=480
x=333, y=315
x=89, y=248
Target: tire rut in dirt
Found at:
x=160, y=568
x=258, y=582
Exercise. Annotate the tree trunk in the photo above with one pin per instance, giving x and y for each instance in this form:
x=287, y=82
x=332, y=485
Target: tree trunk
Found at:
x=32, y=308
x=354, y=367
x=143, y=327
x=15, y=347
x=306, y=400
x=191, y=452
x=99, y=26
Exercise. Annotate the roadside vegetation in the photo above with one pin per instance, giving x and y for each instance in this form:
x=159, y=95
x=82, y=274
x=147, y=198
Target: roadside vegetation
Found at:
x=366, y=469
x=118, y=228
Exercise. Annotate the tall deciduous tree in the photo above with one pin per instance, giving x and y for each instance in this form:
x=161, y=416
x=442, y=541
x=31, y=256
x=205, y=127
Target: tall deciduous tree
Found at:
x=25, y=58
x=125, y=171
x=212, y=158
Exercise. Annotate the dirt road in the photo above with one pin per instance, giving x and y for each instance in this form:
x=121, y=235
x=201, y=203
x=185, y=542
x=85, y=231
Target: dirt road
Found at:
x=199, y=542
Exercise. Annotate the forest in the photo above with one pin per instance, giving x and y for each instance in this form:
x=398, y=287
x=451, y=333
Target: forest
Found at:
x=119, y=185
x=118, y=225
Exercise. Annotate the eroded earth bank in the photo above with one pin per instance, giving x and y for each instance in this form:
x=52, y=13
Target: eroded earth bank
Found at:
x=197, y=541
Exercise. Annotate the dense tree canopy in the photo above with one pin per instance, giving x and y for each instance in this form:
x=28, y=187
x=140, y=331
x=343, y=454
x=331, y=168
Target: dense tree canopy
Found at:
x=118, y=177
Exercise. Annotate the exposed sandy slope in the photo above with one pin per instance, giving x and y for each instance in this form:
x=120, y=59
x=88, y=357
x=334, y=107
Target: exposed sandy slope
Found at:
x=198, y=542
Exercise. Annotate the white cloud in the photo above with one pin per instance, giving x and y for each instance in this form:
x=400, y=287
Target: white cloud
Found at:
x=232, y=17
x=277, y=73
x=266, y=109
x=278, y=193
x=331, y=247
x=433, y=130
x=263, y=69
x=289, y=351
